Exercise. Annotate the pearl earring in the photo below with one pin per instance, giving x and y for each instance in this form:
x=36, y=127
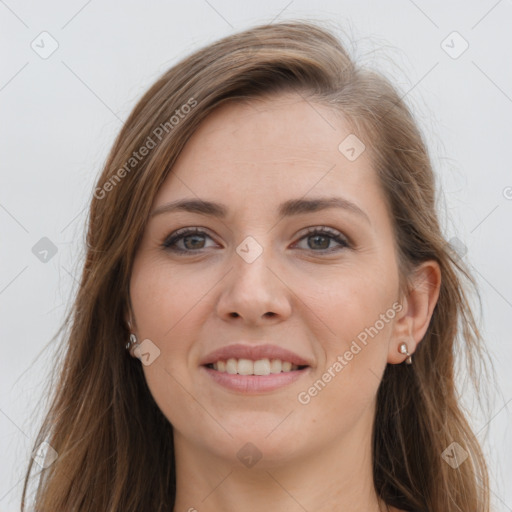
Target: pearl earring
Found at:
x=133, y=341
x=403, y=350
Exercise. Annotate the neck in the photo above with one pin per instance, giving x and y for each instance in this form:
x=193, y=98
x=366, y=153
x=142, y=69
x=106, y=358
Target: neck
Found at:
x=338, y=477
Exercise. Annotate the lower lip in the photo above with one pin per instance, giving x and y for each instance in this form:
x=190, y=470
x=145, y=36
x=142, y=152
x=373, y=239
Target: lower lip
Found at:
x=251, y=384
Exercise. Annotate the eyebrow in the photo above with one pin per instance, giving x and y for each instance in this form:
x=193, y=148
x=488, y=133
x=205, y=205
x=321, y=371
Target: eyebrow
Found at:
x=287, y=209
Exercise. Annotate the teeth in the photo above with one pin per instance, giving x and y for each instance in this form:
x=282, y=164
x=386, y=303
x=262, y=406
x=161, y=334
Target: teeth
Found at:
x=287, y=366
x=231, y=366
x=276, y=365
x=262, y=367
x=249, y=367
x=245, y=367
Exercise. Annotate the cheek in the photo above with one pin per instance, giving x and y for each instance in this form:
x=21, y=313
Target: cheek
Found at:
x=357, y=325
x=162, y=315
x=163, y=296
x=358, y=318
x=355, y=307
x=157, y=314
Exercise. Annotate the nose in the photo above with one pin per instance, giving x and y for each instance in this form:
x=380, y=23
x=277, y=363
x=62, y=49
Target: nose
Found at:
x=254, y=291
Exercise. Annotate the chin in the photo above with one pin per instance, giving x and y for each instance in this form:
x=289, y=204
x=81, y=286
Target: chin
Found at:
x=257, y=452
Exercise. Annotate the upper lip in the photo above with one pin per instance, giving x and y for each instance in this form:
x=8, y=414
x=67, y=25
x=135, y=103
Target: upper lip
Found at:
x=253, y=352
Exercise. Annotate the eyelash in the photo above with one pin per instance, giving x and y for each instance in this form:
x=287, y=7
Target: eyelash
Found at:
x=170, y=242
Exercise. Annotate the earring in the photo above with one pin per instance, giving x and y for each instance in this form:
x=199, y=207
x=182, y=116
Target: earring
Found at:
x=403, y=350
x=133, y=341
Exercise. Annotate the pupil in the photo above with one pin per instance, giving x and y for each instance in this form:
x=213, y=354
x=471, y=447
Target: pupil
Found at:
x=195, y=239
x=317, y=237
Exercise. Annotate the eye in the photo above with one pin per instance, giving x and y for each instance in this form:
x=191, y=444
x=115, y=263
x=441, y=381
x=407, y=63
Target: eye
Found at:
x=192, y=238
x=321, y=237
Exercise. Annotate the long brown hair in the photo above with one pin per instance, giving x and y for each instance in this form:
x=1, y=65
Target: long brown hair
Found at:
x=102, y=410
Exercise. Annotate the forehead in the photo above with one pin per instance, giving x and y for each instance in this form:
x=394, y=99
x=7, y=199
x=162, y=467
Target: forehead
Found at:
x=277, y=147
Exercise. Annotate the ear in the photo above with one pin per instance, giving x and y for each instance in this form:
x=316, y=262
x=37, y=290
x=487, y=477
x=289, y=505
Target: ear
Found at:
x=412, y=322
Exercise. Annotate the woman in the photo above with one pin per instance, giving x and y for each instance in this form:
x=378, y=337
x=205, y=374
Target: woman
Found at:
x=264, y=236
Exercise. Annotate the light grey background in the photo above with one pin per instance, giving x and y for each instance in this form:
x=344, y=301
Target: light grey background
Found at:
x=60, y=114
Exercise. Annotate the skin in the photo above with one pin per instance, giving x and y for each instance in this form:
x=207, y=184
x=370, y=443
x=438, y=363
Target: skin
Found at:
x=252, y=157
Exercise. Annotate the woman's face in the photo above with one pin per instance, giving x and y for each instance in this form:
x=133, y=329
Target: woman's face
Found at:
x=257, y=275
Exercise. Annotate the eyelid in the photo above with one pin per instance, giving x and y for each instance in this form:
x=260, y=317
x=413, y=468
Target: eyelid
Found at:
x=325, y=229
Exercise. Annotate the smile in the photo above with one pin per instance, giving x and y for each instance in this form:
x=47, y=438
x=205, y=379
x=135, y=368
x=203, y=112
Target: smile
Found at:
x=250, y=367
x=254, y=377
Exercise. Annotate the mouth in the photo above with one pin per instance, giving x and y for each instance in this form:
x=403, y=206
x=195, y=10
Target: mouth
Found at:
x=260, y=367
x=254, y=377
x=254, y=368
